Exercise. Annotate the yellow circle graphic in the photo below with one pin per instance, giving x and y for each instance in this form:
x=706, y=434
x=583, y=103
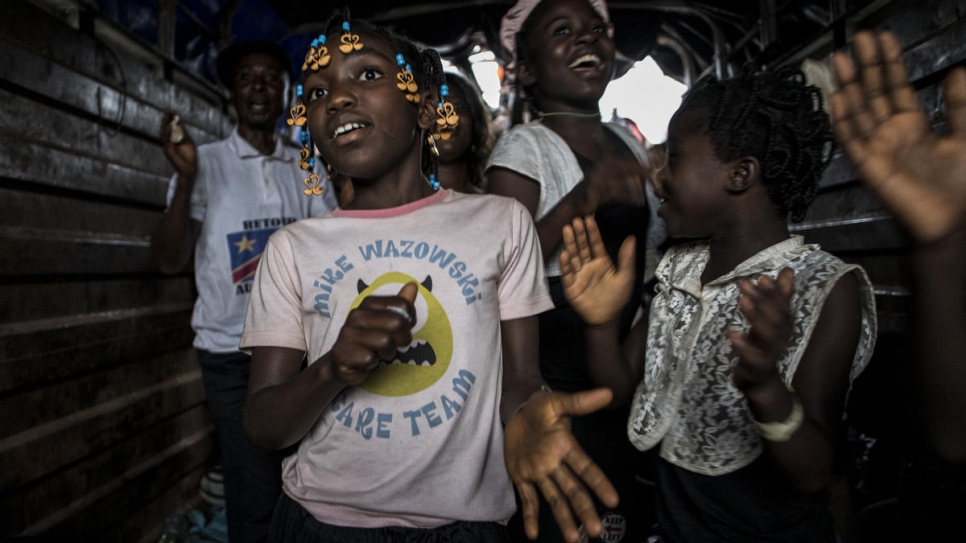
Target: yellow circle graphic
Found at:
x=425, y=360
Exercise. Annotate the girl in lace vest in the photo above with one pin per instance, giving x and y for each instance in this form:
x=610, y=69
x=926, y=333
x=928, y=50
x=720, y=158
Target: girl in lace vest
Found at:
x=739, y=377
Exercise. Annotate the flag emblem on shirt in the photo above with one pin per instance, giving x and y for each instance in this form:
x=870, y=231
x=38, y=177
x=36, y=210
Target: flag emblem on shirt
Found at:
x=246, y=248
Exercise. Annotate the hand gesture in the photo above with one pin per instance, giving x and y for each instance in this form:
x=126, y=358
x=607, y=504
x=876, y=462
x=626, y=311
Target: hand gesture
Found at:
x=766, y=305
x=182, y=155
x=372, y=333
x=919, y=175
x=541, y=453
x=614, y=180
x=595, y=288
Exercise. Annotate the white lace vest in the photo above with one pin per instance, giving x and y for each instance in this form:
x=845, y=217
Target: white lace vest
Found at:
x=687, y=400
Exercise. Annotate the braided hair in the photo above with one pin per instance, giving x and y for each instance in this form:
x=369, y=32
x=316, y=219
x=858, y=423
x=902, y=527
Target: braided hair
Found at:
x=425, y=63
x=778, y=119
x=481, y=140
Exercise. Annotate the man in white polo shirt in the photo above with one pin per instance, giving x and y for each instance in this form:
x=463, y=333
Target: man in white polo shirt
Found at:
x=224, y=201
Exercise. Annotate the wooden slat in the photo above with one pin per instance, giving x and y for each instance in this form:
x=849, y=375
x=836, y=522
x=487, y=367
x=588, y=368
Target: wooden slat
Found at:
x=58, y=129
x=845, y=201
x=49, y=167
x=143, y=486
x=113, y=107
x=857, y=234
x=46, y=211
x=77, y=477
x=136, y=486
x=51, y=447
x=942, y=50
x=37, y=352
x=839, y=172
x=31, y=251
x=885, y=269
x=28, y=27
x=53, y=403
x=55, y=297
x=915, y=22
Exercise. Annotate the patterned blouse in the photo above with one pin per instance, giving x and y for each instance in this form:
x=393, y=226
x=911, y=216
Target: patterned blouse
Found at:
x=687, y=400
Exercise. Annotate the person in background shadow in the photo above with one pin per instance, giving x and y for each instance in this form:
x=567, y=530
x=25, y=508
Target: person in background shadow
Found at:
x=224, y=201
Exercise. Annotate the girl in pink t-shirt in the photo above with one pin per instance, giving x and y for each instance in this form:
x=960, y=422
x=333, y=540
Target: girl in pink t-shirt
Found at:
x=371, y=101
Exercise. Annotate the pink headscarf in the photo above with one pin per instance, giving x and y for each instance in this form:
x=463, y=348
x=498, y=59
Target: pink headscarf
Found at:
x=514, y=19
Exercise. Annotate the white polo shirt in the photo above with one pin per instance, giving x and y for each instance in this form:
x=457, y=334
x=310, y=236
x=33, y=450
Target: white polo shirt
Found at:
x=240, y=197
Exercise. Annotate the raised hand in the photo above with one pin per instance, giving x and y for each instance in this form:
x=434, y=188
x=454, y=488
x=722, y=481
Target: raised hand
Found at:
x=183, y=155
x=595, y=288
x=766, y=305
x=541, y=453
x=919, y=175
x=372, y=332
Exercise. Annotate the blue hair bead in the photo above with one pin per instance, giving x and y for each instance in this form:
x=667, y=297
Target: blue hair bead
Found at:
x=312, y=163
x=433, y=182
x=345, y=25
x=298, y=91
x=444, y=91
x=400, y=60
x=315, y=43
x=304, y=136
x=321, y=39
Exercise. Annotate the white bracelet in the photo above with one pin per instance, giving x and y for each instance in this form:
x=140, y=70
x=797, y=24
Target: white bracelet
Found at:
x=783, y=431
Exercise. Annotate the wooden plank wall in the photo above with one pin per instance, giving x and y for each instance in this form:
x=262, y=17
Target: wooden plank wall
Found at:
x=104, y=431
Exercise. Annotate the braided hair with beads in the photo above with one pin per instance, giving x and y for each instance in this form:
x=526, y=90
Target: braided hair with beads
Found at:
x=418, y=68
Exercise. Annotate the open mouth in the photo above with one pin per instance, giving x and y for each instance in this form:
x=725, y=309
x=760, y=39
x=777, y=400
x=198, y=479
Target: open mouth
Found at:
x=348, y=128
x=586, y=61
x=417, y=353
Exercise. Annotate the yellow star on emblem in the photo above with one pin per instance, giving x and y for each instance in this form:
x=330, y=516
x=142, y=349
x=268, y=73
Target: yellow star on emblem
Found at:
x=245, y=244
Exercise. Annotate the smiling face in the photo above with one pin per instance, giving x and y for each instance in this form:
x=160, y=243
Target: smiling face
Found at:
x=570, y=57
x=358, y=118
x=258, y=91
x=692, y=186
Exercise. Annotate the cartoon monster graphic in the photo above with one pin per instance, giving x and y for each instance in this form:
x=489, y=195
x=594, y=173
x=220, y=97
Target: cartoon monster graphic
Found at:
x=425, y=360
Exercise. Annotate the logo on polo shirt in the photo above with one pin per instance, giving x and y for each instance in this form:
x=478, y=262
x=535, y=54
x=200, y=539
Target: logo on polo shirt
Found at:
x=245, y=249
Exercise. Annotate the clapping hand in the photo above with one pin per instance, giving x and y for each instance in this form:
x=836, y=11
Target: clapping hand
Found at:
x=766, y=305
x=372, y=333
x=614, y=179
x=594, y=287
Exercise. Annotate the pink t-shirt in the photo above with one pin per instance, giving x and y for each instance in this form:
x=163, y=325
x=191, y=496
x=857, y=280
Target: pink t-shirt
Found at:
x=420, y=442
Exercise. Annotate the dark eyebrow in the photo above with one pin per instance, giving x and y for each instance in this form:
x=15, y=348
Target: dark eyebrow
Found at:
x=557, y=18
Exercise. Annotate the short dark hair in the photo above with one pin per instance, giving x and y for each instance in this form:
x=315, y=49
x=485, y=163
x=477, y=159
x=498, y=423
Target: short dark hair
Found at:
x=229, y=57
x=775, y=117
